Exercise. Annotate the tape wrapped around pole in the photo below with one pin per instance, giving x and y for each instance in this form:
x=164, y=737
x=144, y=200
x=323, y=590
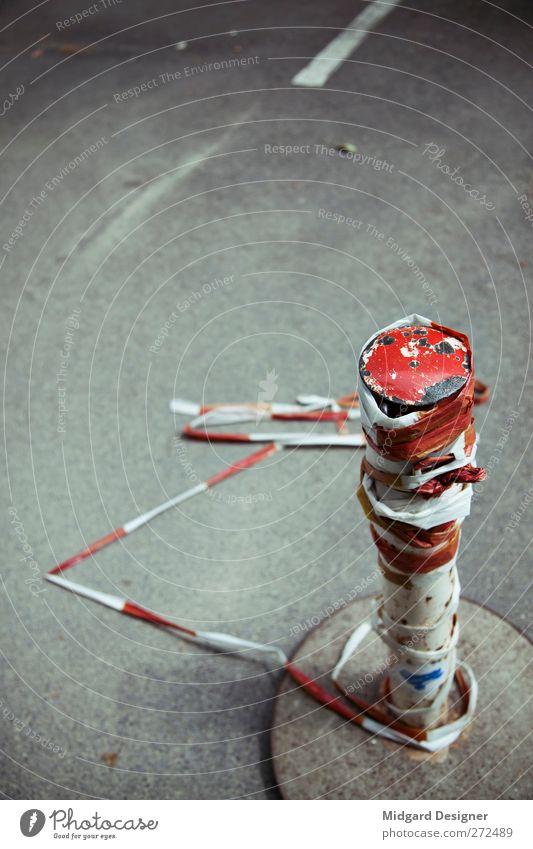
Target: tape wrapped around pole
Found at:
x=417, y=390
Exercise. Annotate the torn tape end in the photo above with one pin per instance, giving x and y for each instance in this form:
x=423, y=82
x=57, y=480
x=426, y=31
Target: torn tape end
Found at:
x=186, y=408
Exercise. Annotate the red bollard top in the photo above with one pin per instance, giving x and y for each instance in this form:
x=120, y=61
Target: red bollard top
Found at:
x=414, y=367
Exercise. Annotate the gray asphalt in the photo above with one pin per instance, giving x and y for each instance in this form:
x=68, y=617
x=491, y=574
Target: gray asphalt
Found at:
x=184, y=186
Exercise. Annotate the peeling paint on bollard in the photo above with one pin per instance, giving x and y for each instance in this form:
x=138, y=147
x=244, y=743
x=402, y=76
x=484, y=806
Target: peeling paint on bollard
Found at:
x=417, y=391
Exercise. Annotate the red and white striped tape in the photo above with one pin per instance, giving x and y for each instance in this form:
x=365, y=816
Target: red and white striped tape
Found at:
x=144, y=518
x=227, y=642
x=430, y=741
x=313, y=409
x=310, y=408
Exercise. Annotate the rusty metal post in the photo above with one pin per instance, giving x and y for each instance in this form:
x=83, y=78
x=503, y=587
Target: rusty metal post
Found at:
x=417, y=390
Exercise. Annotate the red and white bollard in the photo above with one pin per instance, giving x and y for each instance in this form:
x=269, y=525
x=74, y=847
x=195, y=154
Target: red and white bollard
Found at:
x=417, y=393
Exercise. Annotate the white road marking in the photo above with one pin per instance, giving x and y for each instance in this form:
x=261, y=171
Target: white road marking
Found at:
x=318, y=71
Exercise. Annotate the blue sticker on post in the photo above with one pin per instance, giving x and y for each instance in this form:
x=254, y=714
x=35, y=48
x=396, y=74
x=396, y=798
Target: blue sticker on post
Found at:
x=420, y=680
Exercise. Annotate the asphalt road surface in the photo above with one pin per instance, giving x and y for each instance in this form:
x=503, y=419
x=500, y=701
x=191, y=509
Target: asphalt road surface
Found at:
x=177, y=221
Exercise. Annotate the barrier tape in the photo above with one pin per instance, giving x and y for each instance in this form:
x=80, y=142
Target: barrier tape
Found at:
x=310, y=408
x=144, y=518
x=365, y=716
x=431, y=477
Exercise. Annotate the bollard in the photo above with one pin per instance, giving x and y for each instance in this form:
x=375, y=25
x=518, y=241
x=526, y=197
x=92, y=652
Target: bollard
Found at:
x=417, y=393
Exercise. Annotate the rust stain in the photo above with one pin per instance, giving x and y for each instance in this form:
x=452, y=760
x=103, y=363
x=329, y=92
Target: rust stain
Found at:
x=110, y=758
